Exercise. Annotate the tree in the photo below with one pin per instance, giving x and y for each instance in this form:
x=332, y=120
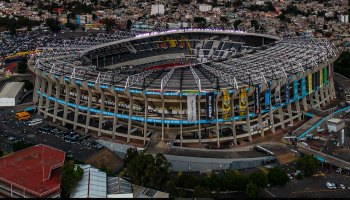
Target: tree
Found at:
x=259, y=179
x=277, y=177
x=170, y=188
x=71, y=175
x=147, y=171
x=1, y=153
x=307, y=164
x=53, y=24
x=131, y=153
x=254, y=23
x=252, y=190
x=22, y=66
x=199, y=191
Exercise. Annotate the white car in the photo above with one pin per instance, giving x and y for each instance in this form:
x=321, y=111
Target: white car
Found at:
x=329, y=185
x=342, y=186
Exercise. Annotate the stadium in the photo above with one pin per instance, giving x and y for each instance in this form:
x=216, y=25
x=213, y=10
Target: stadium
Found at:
x=193, y=86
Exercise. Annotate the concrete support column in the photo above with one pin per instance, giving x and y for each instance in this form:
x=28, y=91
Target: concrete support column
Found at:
x=181, y=127
x=262, y=134
x=233, y=122
x=47, y=101
x=115, y=118
x=146, y=116
x=326, y=91
x=249, y=130
x=272, y=121
x=42, y=90
x=305, y=104
x=57, y=96
x=87, y=123
x=77, y=103
x=323, y=100
x=102, y=108
x=65, y=107
x=36, y=86
x=281, y=117
x=131, y=110
x=297, y=105
x=199, y=117
x=290, y=114
x=331, y=88
x=217, y=118
x=163, y=108
x=317, y=98
x=311, y=99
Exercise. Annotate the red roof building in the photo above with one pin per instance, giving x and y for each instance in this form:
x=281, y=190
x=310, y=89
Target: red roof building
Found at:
x=33, y=172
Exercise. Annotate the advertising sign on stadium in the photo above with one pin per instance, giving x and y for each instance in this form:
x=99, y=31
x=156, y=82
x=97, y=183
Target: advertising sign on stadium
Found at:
x=325, y=75
x=303, y=87
x=321, y=78
x=256, y=100
x=210, y=107
x=267, y=97
x=226, y=105
x=191, y=107
x=309, y=78
x=243, y=101
x=287, y=92
x=295, y=89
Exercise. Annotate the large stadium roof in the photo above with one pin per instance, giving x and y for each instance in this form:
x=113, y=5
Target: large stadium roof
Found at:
x=183, y=60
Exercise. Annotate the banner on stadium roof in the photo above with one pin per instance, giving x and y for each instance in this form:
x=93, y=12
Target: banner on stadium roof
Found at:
x=321, y=78
x=267, y=98
x=295, y=89
x=303, y=87
x=256, y=100
x=226, y=105
x=243, y=101
x=210, y=105
x=309, y=78
x=325, y=75
x=191, y=107
x=287, y=95
x=278, y=94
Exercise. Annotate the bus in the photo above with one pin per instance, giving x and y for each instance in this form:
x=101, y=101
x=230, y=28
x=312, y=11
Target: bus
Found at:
x=22, y=116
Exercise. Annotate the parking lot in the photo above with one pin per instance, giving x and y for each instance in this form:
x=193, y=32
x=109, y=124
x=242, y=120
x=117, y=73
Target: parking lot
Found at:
x=78, y=146
x=312, y=187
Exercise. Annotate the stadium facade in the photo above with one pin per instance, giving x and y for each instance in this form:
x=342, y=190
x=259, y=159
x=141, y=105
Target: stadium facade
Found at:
x=185, y=86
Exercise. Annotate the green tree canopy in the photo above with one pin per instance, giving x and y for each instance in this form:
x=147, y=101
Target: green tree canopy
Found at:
x=277, y=176
x=307, y=164
x=146, y=170
x=71, y=175
x=252, y=190
x=53, y=24
x=259, y=179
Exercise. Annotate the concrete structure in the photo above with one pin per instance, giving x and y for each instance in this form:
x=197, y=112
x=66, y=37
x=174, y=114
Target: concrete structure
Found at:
x=157, y=9
x=205, y=7
x=146, y=89
x=10, y=93
x=335, y=125
x=33, y=172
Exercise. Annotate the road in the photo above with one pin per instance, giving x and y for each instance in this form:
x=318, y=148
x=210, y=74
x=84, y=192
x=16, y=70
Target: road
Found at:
x=312, y=187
